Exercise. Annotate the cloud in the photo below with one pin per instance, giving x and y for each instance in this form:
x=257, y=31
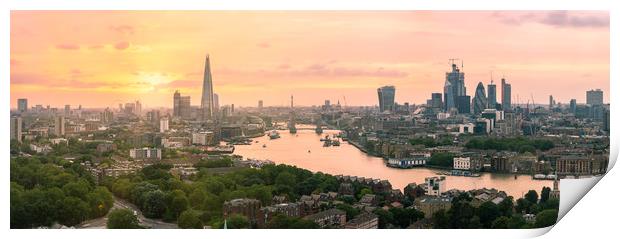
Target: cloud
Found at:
x=123, y=29
x=121, y=45
x=564, y=19
x=263, y=45
x=318, y=70
x=95, y=47
x=68, y=46
x=556, y=19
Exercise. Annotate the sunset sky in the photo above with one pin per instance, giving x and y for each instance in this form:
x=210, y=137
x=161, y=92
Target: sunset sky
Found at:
x=103, y=58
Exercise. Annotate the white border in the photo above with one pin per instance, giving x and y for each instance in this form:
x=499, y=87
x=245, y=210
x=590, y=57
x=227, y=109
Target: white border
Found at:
x=596, y=216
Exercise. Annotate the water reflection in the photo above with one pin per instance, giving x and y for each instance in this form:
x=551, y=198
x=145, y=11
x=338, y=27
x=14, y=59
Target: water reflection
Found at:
x=305, y=150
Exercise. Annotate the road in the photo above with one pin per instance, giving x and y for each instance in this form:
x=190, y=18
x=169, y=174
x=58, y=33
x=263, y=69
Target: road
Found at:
x=100, y=223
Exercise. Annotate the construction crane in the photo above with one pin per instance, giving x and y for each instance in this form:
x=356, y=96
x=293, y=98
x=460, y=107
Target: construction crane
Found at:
x=451, y=60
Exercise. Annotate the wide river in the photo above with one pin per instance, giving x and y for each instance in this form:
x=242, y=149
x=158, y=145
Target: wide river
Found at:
x=305, y=150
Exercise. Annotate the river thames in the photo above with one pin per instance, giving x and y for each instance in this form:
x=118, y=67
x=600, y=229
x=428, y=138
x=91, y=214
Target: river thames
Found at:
x=305, y=150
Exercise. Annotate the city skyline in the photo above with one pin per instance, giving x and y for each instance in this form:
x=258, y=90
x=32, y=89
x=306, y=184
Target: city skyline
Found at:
x=127, y=55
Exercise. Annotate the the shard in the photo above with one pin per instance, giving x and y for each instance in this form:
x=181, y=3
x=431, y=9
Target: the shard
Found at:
x=207, y=92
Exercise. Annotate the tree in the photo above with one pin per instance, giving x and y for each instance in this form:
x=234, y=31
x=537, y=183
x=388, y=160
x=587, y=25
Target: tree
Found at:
x=500, y=223
x=122, y=219
x=154, y=204
x=179, y=204
x=189, y=219
x=523, y=206
x=544, y=194
x=546, y=218
x=506, y=206
x=532, y=196
x=196, y=198
x=488, y=212
x=237, y=221
x=441, y=220
x=351, y=211
x=73, y=211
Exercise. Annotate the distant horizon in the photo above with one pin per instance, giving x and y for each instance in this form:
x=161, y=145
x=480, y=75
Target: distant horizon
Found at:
x=103, y=58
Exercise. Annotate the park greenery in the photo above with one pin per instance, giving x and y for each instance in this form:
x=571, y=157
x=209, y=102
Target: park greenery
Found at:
x=439, y=159
x=49, y=190
x=160, y=195
x=504, y=215
x=122, y=219
x=430, y=142
x=517, y=144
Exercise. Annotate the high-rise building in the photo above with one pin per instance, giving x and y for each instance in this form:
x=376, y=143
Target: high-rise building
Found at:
x=153, y=117
x=207, y=105
x=67, y=109
x=480, y=99
x=216, y=101
x=551, y=102
x=463, y=104
x=436, y=101
x=163, y=125
x=138, y=109
x=22, y=105
x=506, y=96
x=16, y=128
x=573, y=106
x=181, y=106
x=492, y=96
x=260, y=104
x=386, y=98
x=453, y=87
x=106, y=116
x=594, y=97
x=59, y=126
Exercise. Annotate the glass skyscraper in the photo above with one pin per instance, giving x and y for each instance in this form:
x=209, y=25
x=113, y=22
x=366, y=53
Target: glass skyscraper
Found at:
x=386, y=98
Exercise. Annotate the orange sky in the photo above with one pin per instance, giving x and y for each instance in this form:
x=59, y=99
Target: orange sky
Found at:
x=102, y=58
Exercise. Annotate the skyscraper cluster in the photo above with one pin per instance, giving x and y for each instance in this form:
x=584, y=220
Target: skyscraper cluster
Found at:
x=454, y=87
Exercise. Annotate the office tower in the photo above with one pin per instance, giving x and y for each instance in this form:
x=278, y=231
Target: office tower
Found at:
x=16, y=128
x=138, y=109
x=130, y=108
x=463, y=104
x=22, y=105
x=232, y=109
x=207, y=104
x=551, y=102
x=181, y=107
x=453, y=88
x=67, y=109
x=107, y=116
x=436, y=101
x=59, y=126
x=163, y=125
x=260, y=104
x=120, y=107
x=492, y=96
x=216, y=102
x=606, y=117
x=594, y=97
x=573, y=105
x=153, y=117
x=480, y=99
x=176, y=104
x=386, y=98
x=506, y=95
